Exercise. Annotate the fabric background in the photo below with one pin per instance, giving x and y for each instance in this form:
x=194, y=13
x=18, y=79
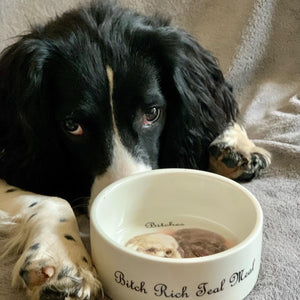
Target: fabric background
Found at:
x=257, y=43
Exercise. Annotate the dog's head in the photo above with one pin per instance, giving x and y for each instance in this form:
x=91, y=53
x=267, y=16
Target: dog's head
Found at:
x=101, y=93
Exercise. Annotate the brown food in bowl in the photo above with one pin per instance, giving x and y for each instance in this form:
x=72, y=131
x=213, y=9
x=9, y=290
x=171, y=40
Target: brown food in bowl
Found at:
x=196, y=242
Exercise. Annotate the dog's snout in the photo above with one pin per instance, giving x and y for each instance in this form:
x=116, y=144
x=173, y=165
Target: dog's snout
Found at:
x=122, y=164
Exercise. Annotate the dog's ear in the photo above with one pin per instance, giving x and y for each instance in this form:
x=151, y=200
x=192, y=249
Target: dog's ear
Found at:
x=21, y=73
x=21, y=80
x=199, y=102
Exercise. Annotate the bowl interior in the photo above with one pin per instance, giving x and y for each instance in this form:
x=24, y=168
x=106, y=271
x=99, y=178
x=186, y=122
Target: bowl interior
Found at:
x=173, y=199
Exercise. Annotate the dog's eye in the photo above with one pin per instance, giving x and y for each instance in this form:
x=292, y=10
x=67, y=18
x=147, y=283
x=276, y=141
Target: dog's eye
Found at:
x=73, y=127
x=151, y=115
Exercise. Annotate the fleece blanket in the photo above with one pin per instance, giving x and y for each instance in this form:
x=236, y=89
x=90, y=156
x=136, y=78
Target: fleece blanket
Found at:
x=257, y=43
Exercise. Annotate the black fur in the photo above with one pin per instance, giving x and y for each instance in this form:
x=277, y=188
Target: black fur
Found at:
x=57, y=72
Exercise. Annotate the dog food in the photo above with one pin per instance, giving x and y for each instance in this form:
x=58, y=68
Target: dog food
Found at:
x=182, y=243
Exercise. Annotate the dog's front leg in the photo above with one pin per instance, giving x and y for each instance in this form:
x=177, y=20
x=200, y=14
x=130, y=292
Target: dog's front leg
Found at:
x=53, y=262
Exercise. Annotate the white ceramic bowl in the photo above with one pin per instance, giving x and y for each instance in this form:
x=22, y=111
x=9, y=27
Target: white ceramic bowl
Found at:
x=174, y=199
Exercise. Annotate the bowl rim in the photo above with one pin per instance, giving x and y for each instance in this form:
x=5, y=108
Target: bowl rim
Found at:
x=237, y=248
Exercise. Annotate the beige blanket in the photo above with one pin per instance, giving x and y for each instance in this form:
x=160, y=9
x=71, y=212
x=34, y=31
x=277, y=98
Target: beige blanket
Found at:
x=257, y=43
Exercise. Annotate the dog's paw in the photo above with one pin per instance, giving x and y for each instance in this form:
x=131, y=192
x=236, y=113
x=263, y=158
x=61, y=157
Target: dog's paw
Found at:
x=53, y=262
x=233, y=155
x=258, y=161
x=57, y=271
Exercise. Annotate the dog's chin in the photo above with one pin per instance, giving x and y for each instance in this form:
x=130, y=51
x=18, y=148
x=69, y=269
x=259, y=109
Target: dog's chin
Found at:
x=111, y=175
x=123, y=164
x=104, y=180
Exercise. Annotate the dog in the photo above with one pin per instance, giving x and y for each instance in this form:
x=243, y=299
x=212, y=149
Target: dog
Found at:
x=97, y=94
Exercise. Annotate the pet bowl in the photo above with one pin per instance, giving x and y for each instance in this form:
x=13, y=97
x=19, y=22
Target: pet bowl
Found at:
x=166, y=201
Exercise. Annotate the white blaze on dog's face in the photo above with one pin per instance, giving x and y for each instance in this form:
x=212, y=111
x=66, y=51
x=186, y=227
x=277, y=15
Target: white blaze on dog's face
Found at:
x=122, y=163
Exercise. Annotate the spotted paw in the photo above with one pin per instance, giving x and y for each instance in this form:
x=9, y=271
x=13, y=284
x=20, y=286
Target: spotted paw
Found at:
x=233, y=155
x=53, y=262
x=57, y=271
x=61, y=277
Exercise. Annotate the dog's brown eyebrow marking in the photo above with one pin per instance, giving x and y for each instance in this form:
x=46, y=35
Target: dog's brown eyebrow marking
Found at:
x=110, y=76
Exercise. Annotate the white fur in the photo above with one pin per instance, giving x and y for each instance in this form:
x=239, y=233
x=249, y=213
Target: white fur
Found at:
x=123, y=164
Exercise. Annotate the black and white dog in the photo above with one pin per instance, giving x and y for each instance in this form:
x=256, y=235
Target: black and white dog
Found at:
x=95, y=95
